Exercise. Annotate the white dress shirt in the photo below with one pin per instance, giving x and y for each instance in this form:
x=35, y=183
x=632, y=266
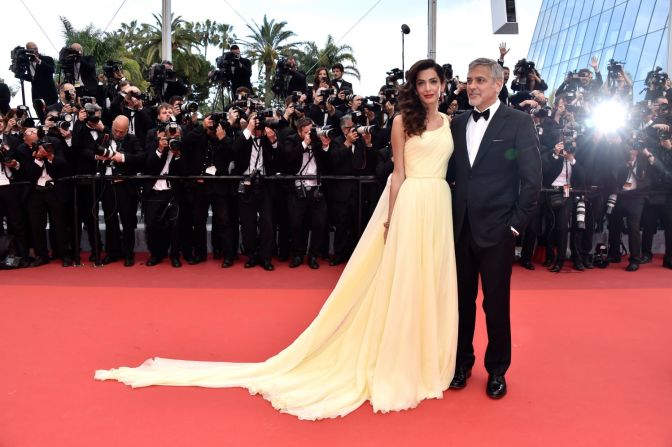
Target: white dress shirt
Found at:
x=476, y=130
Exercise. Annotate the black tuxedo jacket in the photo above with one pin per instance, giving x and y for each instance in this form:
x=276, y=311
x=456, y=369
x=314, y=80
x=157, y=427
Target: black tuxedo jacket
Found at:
x=501, y=189
x=198, y=158
x=242, y=152
x=241, y=75
x=134, y=154
x=43, y=85
x=345, y=85
x=87, y=71
x=292, y=153
x=57, y=169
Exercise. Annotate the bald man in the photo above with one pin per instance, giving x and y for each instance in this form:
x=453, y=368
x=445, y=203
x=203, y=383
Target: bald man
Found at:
x=125, y=157
x=42, y=77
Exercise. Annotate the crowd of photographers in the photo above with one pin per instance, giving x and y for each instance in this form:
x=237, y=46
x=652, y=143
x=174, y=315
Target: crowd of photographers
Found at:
x=235, y=162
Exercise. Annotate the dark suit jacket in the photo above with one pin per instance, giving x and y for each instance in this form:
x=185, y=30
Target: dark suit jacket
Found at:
x=242, y=152
x=56, y=169
x=292, y=153
x=198, y=158
x=87, y=71
x=501, y=189
x=241, y=75
x=44, y=86
x=345, y=85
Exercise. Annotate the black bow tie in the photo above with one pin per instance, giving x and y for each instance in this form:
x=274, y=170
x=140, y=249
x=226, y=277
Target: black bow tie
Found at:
x=476, y=115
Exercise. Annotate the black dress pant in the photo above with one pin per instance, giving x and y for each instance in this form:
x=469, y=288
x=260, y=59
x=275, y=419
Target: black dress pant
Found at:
x=594, y=222
x=45, y=204
x=493, y=265
x=202, y=198
x=628, y=206
x=162, y=212
x=120, y=203
x=658, y=208
x=343, y=214
x=558, y=230
x=87, y=214
x=12, y=206
x=255, y=208
x=531, y=235
x=300, y=211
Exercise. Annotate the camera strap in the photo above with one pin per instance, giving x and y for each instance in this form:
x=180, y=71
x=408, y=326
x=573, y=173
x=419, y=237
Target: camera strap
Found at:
x=257, y=147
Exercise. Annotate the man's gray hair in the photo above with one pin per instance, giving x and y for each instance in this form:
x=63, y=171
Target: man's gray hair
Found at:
x=495, y=69
x=345, y=120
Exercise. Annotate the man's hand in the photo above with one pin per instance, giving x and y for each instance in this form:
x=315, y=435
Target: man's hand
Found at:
x=270, y=134
x=117, y=158
x=81, y=115
x=367, y=139
x=207, y=122
x=594, y=64
x=163, y=143
x=306, y=139
x=503, y=51
x=67, y=108
x=559, y=147
x=351, y=137
x=65, y=133
x=220, y=133
x=326, y=141
x=252, y=125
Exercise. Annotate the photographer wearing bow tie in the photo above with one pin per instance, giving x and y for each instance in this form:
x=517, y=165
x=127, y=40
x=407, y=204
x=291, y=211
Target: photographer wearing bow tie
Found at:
x=130, y=103
x=45, y=164
x=306, y=153
x=338, y=82
x=242, y=70
x=208, y=153
x=253, y=157
x=322, y=111
x=42, y=78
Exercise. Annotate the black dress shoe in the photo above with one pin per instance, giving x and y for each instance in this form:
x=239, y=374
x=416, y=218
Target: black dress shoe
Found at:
x=632, y=267
x=588, y=262
x=228, y=262
x=460, y=378
x=67, y=262
x=295, y=262
x=175, y=262
x=312, y=263
x=645, y=259
x=195, y=260
x=578, y=265
x=38, y=261
x=527, y=265
x=614, y=259
x=109, y=259
x=496, y=387
x=556, y=267
x=548, y=261
x=266, y=264
x=152, y=261
x=252, y=262
x=336, y=260
x=128, y=261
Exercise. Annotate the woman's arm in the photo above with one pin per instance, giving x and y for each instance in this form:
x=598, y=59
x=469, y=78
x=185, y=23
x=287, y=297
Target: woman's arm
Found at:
x=398, y=140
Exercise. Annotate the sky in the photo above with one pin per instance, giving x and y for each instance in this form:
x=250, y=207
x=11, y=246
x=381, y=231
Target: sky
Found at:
x=371, y=27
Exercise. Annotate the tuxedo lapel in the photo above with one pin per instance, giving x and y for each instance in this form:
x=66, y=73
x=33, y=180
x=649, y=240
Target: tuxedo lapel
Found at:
x=498, y=121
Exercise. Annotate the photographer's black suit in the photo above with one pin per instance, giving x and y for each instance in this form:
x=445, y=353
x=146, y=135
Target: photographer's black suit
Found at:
x=87, y=72
x=43, y=85
x=202, y=152
x=297, y=82
x=47, y=201
x=120, y=197
x=242, y=72
x=305, y=201
x=341, y=84
x=498, y=192
x=255, y=198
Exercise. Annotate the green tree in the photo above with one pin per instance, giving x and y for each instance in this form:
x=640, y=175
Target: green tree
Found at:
x=313, y=57
x=265, y=44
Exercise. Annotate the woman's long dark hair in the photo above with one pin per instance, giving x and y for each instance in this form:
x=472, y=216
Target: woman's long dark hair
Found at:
x=413, y=112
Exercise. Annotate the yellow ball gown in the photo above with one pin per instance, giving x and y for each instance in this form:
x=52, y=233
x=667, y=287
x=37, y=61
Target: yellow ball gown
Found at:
x=388, y=331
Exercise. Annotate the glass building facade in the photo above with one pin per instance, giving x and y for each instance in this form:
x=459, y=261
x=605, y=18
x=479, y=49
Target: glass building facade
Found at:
x=569, y=32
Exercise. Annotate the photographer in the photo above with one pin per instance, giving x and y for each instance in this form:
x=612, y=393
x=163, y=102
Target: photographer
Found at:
x=208, y=153
x=306, y=153
x=79, y=70
x=241, y=70
x=253, y=158
x=338, y=82
x=557, y=167
x=527, y=77
x=130, y=104
x=656, y=84
x=619, y=83
x=164, y=81
x=45, y=165
x=119, y=153
x=322, y=111
x=347, y=157
x=630, y=174
x=42, y=77
x=160, y=197
x=5, y=98
x=12, y=194
x=297, y=78
x=659, y=203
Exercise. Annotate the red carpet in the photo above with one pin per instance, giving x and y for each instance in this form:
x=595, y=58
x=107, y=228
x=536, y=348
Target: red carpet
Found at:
x=591, y=361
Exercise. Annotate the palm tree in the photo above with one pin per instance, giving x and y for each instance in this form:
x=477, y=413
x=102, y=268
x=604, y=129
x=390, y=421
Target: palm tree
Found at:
x=265, y=44
x=313, y=57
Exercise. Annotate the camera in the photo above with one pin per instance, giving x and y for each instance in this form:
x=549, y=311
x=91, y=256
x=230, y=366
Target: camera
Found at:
x=21, y=58
x=663, y=135
x=580, y=213
x=175, y=144
x=144, y=97
x=325, y=131
x=639, y=141
x=366, y=130
x=189, y=107
x=84, y=100
x=105, y=152
x=159, y=73
x=393, y=76
x=359, y=117
x=656, y=78
x=169, y=127
x=390, y=94
x=248, y=182
x=302, y=192
x=62, y=121
x=67, y=58
x=522, y=69
x=225, y=66
x=614, y=67
x=448, y=71
x=110, y=68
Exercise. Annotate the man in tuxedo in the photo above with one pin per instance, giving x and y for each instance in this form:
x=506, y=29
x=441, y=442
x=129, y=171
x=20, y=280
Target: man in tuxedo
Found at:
x=42, y=78
x=338, y=82
x=85, y=76
x=242, y=70
x=496, y=168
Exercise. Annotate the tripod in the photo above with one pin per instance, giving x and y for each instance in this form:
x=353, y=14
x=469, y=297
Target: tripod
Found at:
x=220, y=95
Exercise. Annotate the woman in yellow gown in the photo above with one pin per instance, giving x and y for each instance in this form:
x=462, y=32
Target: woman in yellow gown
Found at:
x=388, y=331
